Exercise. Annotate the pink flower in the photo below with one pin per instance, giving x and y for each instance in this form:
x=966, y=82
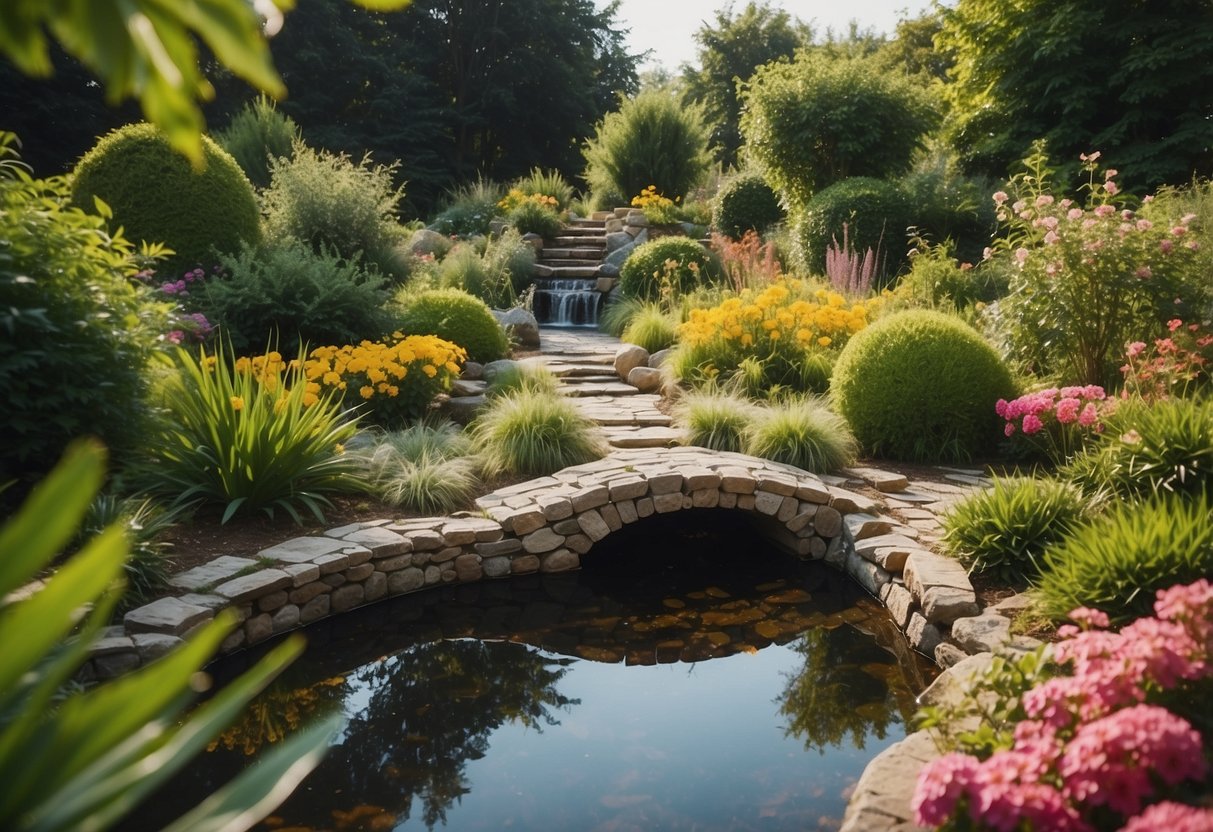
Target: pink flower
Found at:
x=941, y=785
x=1179, y=230
x=1109, y=173
x=1172, y=817
x=1165, y=246
x=1018, y=206
x=1067, y=411
x=1135, y=349
x=1021, y=254
x=1051, y=238
x=1144, y=225
x=1174, y=324
x=1032, y=424
x=1089, y=157
x=1143, y=272
x=1074, y=214
x=1000, y=197
x=175, y=336
x=1088, y=416
x=1043, y=200
x=1110, y=187
x=1008, y=429
x=1105, y=210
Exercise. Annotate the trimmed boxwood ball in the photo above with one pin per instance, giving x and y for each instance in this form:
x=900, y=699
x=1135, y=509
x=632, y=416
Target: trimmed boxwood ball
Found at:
x=643, y=271
x=746, y=203
x=454, y=315
x=156, y=196
x=876, y=214
x=921, y=385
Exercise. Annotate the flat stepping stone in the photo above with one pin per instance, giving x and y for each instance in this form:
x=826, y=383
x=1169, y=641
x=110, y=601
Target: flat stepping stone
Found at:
x=886, y=482
x=965, y=479
x=617, y=388
x=644, y=437
x=212, y=574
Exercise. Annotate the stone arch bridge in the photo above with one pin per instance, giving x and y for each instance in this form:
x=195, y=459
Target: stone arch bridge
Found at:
x=547, y=525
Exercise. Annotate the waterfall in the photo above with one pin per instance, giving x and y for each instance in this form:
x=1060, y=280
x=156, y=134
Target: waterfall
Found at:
x=567, y=301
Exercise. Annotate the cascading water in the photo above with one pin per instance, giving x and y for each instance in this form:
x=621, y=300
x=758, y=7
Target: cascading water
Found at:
x=567, y=301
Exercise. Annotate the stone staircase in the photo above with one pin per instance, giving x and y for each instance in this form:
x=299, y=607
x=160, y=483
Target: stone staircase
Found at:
x=576, y=253
x=569, y=285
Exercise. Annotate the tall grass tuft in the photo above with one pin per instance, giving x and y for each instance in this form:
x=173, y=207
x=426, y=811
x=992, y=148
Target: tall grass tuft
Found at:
x=716, y=420
x=651, y=327
x=548, y=183
x=805, y=433
x=523, y=379
x=424, y=467
x=534, y=433
x=257, y=134
x=249, y=440
x=618, y=314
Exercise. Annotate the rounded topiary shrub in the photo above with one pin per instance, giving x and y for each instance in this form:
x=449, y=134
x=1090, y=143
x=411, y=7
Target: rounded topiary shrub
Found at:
x=921, y=385
x=875, y=214
x=456, y=316
x=746, y=203
x=680, y=262
x=157, y=196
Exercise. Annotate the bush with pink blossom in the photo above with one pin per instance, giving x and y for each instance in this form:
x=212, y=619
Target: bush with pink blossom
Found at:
x=1056, y=423
x=1088, y=276
x=1175, y=365
x=1106, y=737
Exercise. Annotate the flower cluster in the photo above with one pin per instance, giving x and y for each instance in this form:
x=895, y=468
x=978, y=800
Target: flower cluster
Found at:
x=1055, y=421
x=192, y=326
x=1172, y=366
x=178, y=288
x=1093, y=746
x=396, y=377
x=749, y=263
x=658, y=208
x=1087, y=276
x=517, y=197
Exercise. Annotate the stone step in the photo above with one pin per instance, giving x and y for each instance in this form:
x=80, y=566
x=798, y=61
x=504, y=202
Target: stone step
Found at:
x=598, y=216
x=582, y=252
x=604, y=388
x=570, y=261
x=594, y=240
x=588, y=378
x=597, y=229
x=566, y=271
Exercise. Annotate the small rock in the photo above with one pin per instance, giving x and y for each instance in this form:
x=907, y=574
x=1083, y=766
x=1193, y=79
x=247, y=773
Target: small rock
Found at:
x=659, y=358
x=473, y=371
x=463, y=409
x=981, y=633
x=520, y=325
x=494, y=368
x=645, y=379
x=948, y=655
x=628, y=357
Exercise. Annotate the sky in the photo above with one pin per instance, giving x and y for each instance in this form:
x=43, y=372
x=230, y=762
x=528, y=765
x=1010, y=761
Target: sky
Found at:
x=667, y=26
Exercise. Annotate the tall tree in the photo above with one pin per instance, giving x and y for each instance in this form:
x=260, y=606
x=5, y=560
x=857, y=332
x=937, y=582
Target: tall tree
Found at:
x=729, y=52
x=1130, y=78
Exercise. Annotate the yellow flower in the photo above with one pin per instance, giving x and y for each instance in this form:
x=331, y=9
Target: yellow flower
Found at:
x=826, y=340
x=366, y=392
x=429, y=369
x=237, y=403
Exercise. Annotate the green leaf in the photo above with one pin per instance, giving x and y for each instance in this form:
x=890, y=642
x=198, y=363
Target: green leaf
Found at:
x=50, y=516
x=252, y=795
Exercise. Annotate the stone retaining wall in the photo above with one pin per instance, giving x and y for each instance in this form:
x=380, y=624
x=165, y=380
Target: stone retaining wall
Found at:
x=546, y=525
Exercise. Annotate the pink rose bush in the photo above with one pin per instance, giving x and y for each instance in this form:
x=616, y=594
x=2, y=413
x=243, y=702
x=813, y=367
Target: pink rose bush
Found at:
x=1172, y=365
x=1087, y=277
x=1057, y=421
x=1098, y=747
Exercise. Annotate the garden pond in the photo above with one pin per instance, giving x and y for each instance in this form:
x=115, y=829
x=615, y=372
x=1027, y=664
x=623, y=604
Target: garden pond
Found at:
x=690, y=676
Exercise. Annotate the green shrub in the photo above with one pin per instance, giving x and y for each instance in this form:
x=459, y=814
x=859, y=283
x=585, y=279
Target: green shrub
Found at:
x=716, y=420
x=947, y=206
x=921, y=385
x=247, y=440
x=1119, y=560
x=423, y=468
x=144, y=523
x=455, y=316
x=329, y=202
x=157, y=197
x=617, y=314
x=875, y=215
x=937, y=281
x=257, y=134
x=651, y=140
x=496, y=275
x=548, y=183
x=534, y=433
x=75, y=334
x=530, y=217
x=746, y=202
x=1005, y=530
x=286, y=294
x=670, y=266
x=469, y=210
x=652, y=328
x=82, y=758
x=802, y=432
x=1150, y=448
x=820, y=119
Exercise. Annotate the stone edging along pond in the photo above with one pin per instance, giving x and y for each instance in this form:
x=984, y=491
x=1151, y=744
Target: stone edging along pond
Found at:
x=546, y=525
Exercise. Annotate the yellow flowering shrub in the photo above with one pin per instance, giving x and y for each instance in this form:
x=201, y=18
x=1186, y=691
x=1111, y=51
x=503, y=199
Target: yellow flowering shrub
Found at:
x=517, y=197
x=790, y=329
x=396, y=378
x=658, y=208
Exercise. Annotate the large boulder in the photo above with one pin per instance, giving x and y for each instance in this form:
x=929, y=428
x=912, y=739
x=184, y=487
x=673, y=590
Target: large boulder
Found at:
x=520, y=325
x=628, y=357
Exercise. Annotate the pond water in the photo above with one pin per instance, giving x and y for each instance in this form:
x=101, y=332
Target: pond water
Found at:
x=689, y=677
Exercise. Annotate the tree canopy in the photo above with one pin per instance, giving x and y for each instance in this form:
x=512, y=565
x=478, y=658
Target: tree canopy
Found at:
x=1130, y=78
x=729, y=52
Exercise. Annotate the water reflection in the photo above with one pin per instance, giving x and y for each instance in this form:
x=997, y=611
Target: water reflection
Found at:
x=634, y=696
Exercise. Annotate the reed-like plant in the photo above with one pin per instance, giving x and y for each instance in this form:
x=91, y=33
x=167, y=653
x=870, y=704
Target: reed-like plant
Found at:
x=851, y=272
x=425, y=468
x=652, y=327
x=715, y=419
x=534, y=433
x=803, y=432
x=249, y=440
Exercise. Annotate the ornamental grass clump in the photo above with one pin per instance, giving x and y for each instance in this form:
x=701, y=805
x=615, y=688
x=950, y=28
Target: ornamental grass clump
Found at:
x=787, y=327
x=716, y=419
x=394, y=379
x=534, y=433
x=652, y=327
x=523, y=378
x=803, y=432
x=1117, y=560
x=249, y=436
x=1004, y=531
x=1103, y=736
x=425, y=468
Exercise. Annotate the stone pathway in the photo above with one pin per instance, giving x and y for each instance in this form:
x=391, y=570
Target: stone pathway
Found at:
x=584, y=362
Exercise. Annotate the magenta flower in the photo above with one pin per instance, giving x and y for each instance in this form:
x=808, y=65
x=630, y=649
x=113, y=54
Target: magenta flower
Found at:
x=1172, y=817
x=941, y=784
